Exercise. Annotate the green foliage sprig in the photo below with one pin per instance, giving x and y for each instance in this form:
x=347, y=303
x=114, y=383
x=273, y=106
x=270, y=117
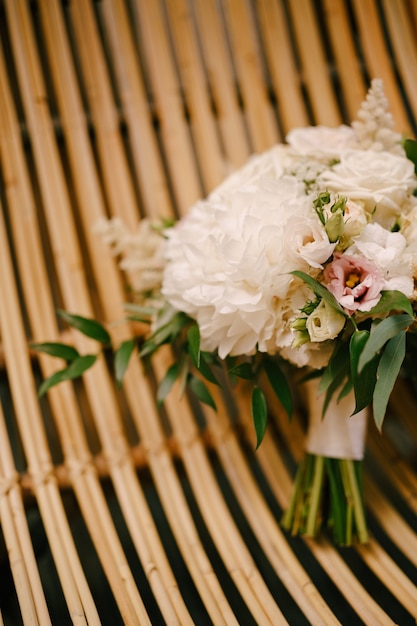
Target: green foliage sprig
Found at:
x=367, y=357
x=193, y=368
x=370, y=353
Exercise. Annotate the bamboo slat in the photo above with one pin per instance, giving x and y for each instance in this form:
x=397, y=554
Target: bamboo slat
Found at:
x=260, y=119
x=314, y=69
x=111, y=510
x=220, y=81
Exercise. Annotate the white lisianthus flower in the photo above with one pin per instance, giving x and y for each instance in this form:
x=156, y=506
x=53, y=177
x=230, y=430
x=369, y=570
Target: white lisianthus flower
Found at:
x=321, y=142
x=388, y=251
x=315, y=355
x=306, y=240
x=324, y=322
x=409, y=231
x=408, y=220
x=355, y=219
x=381, y=180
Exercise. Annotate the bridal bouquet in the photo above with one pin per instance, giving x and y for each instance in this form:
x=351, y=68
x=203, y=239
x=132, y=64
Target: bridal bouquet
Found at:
x=304, y=258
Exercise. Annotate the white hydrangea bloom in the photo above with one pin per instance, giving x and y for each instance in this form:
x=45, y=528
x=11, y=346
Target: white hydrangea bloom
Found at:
x=228, y=265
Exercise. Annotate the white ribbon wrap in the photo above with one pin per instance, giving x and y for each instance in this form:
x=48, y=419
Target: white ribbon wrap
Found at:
x=338, y=434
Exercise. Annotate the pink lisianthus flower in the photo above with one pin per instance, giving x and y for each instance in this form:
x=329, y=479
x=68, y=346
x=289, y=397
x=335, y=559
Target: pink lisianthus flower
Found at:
x=355, y=282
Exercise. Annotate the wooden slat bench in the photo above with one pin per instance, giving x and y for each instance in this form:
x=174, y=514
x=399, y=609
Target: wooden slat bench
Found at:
x=112, y=512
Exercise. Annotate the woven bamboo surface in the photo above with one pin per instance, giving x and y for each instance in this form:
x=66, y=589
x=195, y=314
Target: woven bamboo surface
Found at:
x=111, y=511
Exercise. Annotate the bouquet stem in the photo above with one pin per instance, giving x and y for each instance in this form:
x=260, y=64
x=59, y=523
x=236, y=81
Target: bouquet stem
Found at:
x=328, y=492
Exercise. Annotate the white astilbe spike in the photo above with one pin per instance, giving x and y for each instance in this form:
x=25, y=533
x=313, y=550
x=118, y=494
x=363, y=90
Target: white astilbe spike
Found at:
x=374, y=126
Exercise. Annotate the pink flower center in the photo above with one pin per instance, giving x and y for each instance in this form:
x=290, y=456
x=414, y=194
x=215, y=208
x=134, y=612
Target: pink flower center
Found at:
x=356, y=283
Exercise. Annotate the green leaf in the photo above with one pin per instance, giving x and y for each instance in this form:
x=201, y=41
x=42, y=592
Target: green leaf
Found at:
x=410, y=147
x=183, y=375
x=335, y=372
x=363, y=384
x=259, y=414
x=392, y=301
x=200, y=390
x=89, y=327
x=279, y=384
x=74, y=370
x=60, y=350
x=336, y=367
x=320, y=291
x=242, y=370
x=165, y=333
x=387, y=373
x=122, y=357
x=140, y=313
x=148, y=348
x=381, y=332
x=193, y=340
x=205, y=368
x=334, y=386
x=346, y=389
x=167, y=382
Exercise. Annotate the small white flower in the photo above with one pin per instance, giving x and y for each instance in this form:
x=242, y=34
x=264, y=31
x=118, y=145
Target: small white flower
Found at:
x=324, y=323
x=313, y=355
x=355, y=219
x=113, y=232
x=142, y=256
x=306, y=240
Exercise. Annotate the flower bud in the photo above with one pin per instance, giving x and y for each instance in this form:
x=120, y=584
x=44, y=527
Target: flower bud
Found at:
x=334, y=227
x=339, y=205
x=309, y=306
x=301, y=337
x=299, y=323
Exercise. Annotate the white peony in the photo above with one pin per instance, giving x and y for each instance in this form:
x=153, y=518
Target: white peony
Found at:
x=381, y=180
x=306, y=242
